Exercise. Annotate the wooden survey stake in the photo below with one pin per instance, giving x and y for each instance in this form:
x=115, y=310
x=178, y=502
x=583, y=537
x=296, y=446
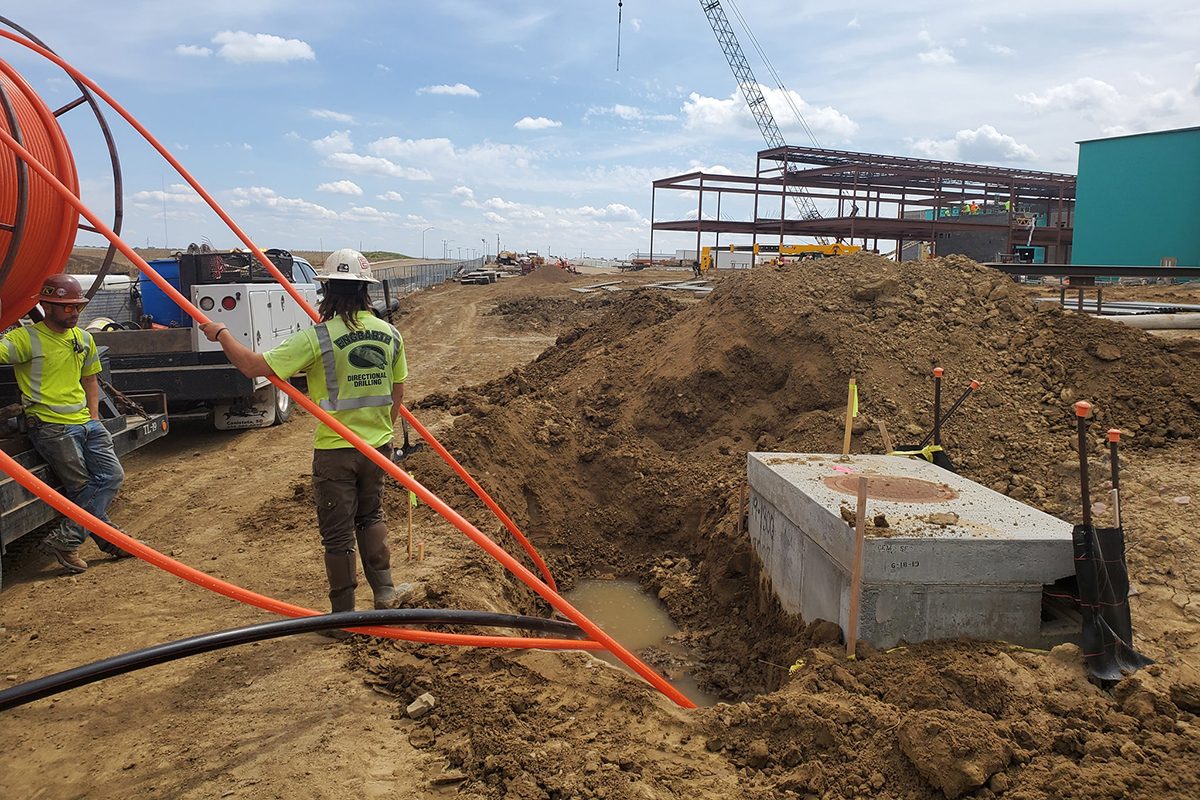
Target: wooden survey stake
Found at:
x=887, y=439
x=851, y=402
x=741, y=512
x=410, y=538
x=860, y=534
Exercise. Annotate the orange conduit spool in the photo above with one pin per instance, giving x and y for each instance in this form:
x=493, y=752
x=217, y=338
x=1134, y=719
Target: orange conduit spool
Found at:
x=37, y=226
x=526, y=545
x=116, y=537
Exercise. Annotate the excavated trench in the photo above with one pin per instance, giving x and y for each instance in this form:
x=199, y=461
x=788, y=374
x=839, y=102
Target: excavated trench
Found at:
x=621, y=453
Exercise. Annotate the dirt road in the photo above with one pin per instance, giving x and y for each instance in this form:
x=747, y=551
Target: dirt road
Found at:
x=620, y=450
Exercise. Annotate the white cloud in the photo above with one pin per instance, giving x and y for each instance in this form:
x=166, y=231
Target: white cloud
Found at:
x=1089, y=96
x=241, y=47
x=264, y=197
x=341, y=187
x=335, y=116
x=192, y=50
x=612, y=211
x=720, y=115
x=336, y=142
x=456, y=90
x=373, y=165
x=854, y=23
x=370, y=214
x=463, y=191
x=1001, y=50
x=492, y=216
x=628, y=113
x=984, y=144
x=536, y=123
x=636, y=23
x=937, y=56
x=441, y=156
x=1164, y=103
x=1196, y=81
x=395, y=197
x=178, y=193
x=513, y=210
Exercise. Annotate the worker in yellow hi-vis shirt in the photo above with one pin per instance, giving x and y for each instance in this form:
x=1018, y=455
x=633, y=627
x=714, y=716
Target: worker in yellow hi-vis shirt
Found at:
x=56, y=367
x=355, y=367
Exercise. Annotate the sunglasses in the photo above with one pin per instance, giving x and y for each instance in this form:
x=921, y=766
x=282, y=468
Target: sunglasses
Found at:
x=70, y=308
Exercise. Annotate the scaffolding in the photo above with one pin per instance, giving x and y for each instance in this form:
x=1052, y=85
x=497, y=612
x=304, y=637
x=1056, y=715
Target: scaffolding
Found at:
x=949, y=206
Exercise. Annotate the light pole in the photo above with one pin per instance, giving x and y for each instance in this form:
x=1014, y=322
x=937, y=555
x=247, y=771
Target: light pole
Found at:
x=443, y=249
x=484, y=249
x=460, y=254
x=427, y=230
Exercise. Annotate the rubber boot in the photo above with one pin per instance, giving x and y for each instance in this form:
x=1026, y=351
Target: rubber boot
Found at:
x=342, y=572
x=377, y=562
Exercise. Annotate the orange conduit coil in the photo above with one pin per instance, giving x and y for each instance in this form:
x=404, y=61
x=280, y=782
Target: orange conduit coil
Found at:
x=37, y=226
x=597, y=635
x=526, y=545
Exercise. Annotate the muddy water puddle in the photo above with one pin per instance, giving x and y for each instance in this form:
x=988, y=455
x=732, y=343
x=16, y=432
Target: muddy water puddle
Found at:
x=638, y=621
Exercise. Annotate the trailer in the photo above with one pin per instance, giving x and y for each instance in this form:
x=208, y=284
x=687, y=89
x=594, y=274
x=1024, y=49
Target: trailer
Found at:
x=133, y=420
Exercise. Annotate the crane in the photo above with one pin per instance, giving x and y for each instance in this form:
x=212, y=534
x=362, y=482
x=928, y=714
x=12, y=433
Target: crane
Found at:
x=753, y=92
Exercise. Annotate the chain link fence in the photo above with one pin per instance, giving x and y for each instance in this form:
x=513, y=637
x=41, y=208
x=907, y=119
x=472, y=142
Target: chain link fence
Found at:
x=399, y=281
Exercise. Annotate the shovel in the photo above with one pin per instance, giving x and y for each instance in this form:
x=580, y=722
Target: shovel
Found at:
x=407, y=448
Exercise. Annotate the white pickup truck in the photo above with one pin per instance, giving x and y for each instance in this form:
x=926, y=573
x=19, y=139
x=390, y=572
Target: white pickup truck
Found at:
x=163, y=350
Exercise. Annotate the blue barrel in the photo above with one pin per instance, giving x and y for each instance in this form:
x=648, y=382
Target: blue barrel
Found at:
x=155, y=302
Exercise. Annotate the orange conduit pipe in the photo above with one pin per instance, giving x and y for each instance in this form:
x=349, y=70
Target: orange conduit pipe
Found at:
x=205, y=581
x=526, y=545
x=543, y=590
x=44, y=209
x=287, y=284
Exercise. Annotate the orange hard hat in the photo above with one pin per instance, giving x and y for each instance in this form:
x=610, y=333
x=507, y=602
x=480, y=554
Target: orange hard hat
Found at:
x=62, y=289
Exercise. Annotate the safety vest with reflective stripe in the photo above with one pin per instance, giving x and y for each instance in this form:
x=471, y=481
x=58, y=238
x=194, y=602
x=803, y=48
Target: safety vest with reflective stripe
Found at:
x=48, y=367
x=351, y=373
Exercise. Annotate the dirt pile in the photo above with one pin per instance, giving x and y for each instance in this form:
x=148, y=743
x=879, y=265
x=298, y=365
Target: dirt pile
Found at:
x=549, y=313
x=621, y=450
x=547, y=273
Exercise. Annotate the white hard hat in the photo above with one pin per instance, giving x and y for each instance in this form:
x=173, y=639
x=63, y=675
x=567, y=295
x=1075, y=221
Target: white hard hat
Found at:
x=346, y=264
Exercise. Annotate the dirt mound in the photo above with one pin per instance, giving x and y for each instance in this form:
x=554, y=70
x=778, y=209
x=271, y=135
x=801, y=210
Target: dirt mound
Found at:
x=548, y=313
x=621, y=450
x=548, y=274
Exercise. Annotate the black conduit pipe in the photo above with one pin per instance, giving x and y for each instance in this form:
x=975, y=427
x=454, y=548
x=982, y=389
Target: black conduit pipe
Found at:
x=171, y=651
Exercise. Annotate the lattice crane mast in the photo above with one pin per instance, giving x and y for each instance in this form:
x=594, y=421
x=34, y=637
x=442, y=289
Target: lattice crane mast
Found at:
x=751, y=91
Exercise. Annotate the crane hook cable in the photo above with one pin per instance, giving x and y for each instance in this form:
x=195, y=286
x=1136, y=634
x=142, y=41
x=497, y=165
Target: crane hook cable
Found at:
x=595, y=633
x=75, y=677
x=526, y=545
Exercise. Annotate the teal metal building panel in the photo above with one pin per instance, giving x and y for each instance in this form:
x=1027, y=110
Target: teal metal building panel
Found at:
x=1138, y=199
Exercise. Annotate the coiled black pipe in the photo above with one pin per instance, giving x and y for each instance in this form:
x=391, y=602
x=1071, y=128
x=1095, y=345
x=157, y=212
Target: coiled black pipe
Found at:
x=171, y=651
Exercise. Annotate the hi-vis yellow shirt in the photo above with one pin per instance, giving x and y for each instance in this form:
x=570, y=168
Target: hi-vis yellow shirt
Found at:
x=48, y=367
x=350, y=373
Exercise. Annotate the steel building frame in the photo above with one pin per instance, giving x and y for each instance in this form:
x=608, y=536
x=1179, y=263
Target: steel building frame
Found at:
x=887, y=188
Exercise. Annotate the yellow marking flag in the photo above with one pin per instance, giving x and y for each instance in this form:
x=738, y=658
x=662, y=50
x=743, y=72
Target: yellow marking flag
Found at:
x=854, y=399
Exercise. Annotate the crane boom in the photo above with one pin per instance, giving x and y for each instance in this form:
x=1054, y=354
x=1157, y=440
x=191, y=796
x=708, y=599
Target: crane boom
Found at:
x=741, y=70
x=752, y=91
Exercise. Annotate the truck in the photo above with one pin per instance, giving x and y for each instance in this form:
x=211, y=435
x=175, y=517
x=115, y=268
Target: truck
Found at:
x=133, y=420
x=162, y=350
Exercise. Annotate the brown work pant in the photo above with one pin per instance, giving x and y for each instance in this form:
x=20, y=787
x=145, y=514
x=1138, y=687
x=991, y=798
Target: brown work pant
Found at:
x=349, y=493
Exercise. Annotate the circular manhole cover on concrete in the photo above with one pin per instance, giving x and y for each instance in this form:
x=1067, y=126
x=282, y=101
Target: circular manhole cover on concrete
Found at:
x=894, y=488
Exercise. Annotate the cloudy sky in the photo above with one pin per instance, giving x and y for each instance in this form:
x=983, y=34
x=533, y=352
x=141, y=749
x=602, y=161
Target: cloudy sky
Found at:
x=365, y=123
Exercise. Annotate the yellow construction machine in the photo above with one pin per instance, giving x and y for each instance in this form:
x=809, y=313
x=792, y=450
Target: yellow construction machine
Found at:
x=785, y=254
